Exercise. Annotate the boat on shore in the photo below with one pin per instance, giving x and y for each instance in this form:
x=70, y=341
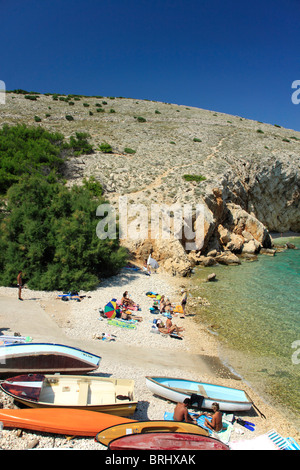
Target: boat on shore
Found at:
x=166, y=441
x=105, y=436
x=45, y=358
x=64, y=421
x=107, y=395
x=202, y=394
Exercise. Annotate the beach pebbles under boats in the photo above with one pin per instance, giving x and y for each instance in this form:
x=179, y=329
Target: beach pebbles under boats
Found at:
x=45, y=358
x=202, y=394
x=107, y=395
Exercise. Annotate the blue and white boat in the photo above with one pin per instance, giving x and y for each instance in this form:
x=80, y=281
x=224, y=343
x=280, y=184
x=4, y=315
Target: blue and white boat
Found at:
x=45, y=358
x=203, y=394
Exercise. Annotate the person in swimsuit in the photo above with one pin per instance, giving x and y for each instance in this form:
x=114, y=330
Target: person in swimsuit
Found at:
x=181, y=412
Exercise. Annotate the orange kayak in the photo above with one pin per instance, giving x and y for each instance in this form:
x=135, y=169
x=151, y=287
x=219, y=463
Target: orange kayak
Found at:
x=65, y=421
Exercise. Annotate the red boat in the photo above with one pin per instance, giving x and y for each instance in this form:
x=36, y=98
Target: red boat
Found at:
x=166, y=441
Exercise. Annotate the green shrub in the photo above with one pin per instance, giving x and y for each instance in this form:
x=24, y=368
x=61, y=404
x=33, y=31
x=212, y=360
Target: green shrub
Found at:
x=259, y=131
x=105, y=147
x=141, y=119
x=31, y=97
x=49, y=232
x=112, y=110
x=93, y=186
x=34, y=150
x=79, y=144
x=69, y=117
x=37, y=119
x=129, y=150
x=195, y=139
x=100, y=110
x=197, y=178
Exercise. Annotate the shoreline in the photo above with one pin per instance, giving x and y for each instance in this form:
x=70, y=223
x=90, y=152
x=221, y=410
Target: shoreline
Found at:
x=138, y=353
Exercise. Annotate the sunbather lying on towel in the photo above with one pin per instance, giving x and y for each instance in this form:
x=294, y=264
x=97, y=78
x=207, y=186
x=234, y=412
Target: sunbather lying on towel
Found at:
x=167, y=331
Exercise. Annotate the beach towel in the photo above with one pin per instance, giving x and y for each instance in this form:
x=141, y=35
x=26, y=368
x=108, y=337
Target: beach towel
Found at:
x=152, y=262
x=223, y=435
x=178, y=309
x=269, y=441
x=131, y=324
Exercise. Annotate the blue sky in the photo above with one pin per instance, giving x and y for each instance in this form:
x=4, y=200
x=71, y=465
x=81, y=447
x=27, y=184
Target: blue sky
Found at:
x=237, y=57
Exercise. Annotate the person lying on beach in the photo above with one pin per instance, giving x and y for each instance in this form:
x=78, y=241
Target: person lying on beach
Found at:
x=167, y=331
x=72, y=296
x=125, y=315
x=181, y=412
x=216, y=423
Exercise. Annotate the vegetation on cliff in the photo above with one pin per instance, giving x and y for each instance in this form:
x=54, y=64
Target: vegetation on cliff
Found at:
x=47, y=229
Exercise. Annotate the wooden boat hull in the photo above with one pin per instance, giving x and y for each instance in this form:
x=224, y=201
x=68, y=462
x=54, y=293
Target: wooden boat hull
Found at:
x=205, y=394
x=143, y=427
x=65, y=421
x=107, y=395
x=45, y=358
x=166, y=441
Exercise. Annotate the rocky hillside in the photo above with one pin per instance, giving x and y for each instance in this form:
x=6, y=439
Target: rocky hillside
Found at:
x=246, y=173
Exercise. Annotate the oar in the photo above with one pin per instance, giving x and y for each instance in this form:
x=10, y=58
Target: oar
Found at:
x=254, y=406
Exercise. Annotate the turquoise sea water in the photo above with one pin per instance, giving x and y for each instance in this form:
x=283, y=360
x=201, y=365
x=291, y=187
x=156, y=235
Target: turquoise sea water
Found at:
x=255, y=311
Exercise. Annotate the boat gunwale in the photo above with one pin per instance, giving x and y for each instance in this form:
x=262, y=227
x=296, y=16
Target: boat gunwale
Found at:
x=164, y=421
x=85, y=378
x=186, y=392
x=28, y=345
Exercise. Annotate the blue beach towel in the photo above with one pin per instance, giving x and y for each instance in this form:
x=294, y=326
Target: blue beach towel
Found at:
x=223, y=435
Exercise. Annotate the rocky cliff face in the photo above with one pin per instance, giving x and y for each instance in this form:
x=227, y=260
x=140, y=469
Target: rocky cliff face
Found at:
x=251, y=170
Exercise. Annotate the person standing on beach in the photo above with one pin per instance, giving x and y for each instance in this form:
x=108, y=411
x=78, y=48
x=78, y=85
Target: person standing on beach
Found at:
x=20, y=284
x=183, y=300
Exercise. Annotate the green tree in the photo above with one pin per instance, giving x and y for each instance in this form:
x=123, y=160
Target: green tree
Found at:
x=49, y=231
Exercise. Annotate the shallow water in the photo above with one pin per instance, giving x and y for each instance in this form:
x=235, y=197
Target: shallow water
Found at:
x=255, y=311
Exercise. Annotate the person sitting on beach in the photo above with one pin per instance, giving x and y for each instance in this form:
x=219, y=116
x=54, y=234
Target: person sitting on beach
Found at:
x=216, y=423
x=168, y=306
x=181, y=412
x=169, y=324
x=162, y=304
x=167, y=331
x=126, y=300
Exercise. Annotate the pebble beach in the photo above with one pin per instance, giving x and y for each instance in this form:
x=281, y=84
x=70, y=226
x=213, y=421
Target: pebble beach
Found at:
x=137, y=353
